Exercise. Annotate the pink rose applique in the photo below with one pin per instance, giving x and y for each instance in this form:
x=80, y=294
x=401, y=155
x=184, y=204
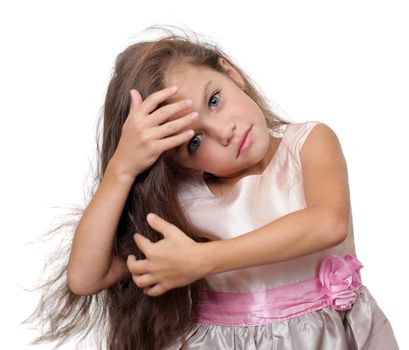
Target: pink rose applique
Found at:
x=341, y=280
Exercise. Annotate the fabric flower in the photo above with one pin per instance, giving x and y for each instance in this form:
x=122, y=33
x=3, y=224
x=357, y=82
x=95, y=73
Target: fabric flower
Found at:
x=341, y=280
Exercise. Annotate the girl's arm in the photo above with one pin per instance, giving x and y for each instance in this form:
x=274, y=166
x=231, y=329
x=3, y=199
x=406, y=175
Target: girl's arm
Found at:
x=91, y=266
x=177, y=260
x=146, y=133
x=323, y=224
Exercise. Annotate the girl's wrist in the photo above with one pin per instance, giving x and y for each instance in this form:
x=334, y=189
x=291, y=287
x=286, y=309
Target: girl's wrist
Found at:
x=206, y=254
x=115, y=172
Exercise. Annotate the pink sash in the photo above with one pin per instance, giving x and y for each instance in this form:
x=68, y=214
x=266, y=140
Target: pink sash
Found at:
x=337, y=286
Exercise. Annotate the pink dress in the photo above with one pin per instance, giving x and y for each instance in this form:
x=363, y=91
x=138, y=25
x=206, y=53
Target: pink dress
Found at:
x=312, y=302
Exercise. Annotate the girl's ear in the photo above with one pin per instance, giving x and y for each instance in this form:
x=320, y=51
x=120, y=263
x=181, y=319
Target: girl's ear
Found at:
x=232, y=72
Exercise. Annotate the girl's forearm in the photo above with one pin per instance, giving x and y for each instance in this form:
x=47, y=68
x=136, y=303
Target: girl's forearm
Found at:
x=296, y=234
x=91, y=254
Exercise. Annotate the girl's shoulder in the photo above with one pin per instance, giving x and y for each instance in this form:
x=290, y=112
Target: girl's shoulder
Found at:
x=319, y=139
x=307, y=133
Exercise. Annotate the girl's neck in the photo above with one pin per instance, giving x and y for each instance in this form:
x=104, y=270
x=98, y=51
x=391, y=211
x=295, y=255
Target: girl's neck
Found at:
x=224, y=183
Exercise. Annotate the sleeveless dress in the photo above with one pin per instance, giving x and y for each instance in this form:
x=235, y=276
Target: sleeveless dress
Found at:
x=308, y=303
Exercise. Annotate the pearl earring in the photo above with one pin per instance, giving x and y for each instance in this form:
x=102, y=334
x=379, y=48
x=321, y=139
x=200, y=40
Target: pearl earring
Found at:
x=278, y=131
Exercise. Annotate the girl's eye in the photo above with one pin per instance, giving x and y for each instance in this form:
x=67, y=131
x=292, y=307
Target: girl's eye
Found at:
x=214, y=101
x=194, y=143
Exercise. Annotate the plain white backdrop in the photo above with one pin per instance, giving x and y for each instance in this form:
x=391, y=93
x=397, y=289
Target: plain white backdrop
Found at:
x=342, y=63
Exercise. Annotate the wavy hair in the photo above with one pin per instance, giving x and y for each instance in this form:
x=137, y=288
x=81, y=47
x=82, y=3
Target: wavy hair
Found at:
x=122, y=316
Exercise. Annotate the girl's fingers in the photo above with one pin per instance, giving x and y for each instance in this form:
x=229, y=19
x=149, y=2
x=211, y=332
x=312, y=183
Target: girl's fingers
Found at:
x=136, y=100
x=137, y=267
x=155, y=290
x=153, y=100
x=143, y=281
x=159, y=224
x=169, y=111
x=175, y=141
x=175, y=126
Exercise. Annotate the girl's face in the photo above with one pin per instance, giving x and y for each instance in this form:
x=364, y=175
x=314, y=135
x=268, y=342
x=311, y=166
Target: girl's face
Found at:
x=226, y=115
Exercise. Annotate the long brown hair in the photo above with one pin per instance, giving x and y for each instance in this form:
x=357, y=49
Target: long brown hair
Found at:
x=122, y=316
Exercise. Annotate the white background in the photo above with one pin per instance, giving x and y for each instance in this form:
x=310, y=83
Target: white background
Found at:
x=342, y=63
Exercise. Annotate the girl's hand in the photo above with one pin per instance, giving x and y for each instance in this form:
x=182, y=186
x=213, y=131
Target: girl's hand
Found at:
x=146, y=134
x=174, y=261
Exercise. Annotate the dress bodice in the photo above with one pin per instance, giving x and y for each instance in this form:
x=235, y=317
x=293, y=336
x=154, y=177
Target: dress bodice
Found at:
x=255, y=201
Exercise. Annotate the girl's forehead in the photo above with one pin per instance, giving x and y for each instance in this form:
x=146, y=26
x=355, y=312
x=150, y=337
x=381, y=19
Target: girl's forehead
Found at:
x=191, y=82
x=187, y=71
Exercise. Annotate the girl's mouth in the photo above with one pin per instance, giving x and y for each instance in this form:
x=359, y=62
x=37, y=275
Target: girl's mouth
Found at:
x=245, y=142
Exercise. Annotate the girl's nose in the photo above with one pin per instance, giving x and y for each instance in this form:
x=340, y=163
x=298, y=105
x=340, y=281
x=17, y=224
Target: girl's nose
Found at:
x=224, y=131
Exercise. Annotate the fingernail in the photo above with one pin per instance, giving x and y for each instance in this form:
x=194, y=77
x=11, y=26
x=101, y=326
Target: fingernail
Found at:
x=173, y=88
x=150, y=216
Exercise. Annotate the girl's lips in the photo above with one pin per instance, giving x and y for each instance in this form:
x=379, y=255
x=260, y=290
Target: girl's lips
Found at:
x=244, y=142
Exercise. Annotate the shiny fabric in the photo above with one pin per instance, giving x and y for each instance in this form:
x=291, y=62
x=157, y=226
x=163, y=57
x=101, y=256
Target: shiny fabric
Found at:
x=364, y=327
x=337, y=286
x=254, y=201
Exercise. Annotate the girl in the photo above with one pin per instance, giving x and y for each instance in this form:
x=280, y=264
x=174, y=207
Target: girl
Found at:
x=216, y=224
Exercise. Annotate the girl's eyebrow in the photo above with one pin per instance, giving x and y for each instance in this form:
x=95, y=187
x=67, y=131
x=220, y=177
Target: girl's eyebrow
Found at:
x=206, y=92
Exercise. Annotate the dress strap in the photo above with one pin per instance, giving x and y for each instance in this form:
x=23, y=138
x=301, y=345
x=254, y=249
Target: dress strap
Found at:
x=300, y=134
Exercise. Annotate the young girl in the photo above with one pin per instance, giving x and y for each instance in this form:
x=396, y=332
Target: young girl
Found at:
x=216, y=224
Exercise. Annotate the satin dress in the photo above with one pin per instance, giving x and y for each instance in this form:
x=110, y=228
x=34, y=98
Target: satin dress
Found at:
x=308, y=303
